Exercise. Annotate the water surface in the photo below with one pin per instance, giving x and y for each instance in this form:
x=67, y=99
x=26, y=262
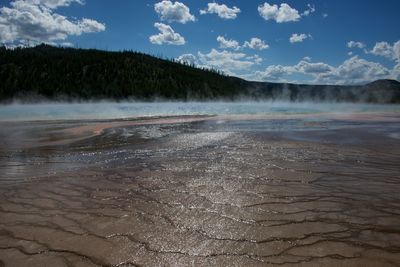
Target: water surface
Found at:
x=62, y=111
x=285, y=185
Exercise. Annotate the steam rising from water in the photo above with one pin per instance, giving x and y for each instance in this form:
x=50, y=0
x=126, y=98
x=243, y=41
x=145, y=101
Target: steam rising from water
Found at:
x=110, y=110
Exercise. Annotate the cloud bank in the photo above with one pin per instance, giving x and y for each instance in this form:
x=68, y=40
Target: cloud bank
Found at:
x=352, y=71
x=31, y=22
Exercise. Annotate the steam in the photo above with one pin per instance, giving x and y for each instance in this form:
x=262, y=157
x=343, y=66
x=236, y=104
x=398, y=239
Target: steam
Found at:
x=122, y=110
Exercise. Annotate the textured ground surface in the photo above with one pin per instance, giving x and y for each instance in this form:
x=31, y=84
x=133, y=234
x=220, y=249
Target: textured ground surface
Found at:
x=207, y=193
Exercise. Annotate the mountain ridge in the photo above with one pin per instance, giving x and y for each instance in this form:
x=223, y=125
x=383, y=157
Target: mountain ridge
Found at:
x=54, y=73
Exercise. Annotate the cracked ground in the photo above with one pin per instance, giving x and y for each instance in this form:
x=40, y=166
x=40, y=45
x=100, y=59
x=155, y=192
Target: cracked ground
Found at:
x=202, y=193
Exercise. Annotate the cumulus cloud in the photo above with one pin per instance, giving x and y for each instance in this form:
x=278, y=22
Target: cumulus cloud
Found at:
x=352, y=71
x=387, y=50
x=173, y=12
x=256, y=43
x=231, y=63
x=274, y=73
x=283, y=13
x=225, y=60
x=312, y=68
x=54, y=3
x=222, y=11
x=256, y=58
x=307, y=12
x=188, y=59
x=277, y=72
x=298, y=38
x=396, y=72
x=383, y=49
x=224, y=43
x=167, y=35
x=354, y=44
x=35, y=21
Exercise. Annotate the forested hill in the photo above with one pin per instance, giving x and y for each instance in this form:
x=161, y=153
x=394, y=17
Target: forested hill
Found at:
x=46, y=72
x=93, y=74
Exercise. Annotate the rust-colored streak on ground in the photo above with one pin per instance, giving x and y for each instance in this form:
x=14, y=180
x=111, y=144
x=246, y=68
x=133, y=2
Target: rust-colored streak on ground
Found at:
x=158, y=193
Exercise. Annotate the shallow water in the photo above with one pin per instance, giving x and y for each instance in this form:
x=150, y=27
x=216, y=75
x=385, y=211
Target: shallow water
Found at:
x=60, y=111
x=293, y=190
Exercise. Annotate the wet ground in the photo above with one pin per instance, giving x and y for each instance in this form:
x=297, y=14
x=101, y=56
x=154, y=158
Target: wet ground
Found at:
x=202, y=191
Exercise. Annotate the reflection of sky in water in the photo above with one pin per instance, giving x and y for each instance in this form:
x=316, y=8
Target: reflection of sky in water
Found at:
x=17, y=112
x=26, y=154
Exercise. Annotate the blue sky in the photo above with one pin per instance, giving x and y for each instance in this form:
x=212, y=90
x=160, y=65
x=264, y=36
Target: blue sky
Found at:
x=335, y=42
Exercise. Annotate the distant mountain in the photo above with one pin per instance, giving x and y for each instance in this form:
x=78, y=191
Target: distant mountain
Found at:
x=380, y=91
x=46, y=72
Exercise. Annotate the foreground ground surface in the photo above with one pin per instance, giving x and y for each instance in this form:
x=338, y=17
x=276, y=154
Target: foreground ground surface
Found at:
x=198, y=191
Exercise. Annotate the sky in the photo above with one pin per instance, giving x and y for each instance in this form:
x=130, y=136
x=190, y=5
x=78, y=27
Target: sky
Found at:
x=314, y=42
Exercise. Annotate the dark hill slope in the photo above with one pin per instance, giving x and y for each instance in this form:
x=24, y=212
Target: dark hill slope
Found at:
x=381, y=91
x=92, y=74
x=67, y=73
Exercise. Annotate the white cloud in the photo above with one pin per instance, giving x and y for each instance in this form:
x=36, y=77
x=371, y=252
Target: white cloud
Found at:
x=383, y=49
x=167, y=35
x=355, y=71
x=325, y=15
x=352, y=71
x=396, y=51
x=231, y=63
x=256, y=58
x=354, y=44
x=307, y=12
x=225, y=60
x=283, y=13
x=277, y=72
x=173, y=12
x=274, y=73
x=396, y=72
x=54, y=3
x=387, y=50
x=34, y=21
x=256, y=43
x=189, y=59
x=298, y=38
x=222, y=11
x=224, y=43
x=312, y=68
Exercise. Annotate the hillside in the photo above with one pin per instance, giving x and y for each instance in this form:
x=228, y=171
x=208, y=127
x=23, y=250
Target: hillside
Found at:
x=46, y=72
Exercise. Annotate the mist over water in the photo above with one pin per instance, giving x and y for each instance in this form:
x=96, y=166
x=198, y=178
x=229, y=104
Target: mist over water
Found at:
x=112, y=110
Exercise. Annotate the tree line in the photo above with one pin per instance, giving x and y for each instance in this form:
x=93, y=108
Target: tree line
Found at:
x=59, y=73
x=54, y=72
